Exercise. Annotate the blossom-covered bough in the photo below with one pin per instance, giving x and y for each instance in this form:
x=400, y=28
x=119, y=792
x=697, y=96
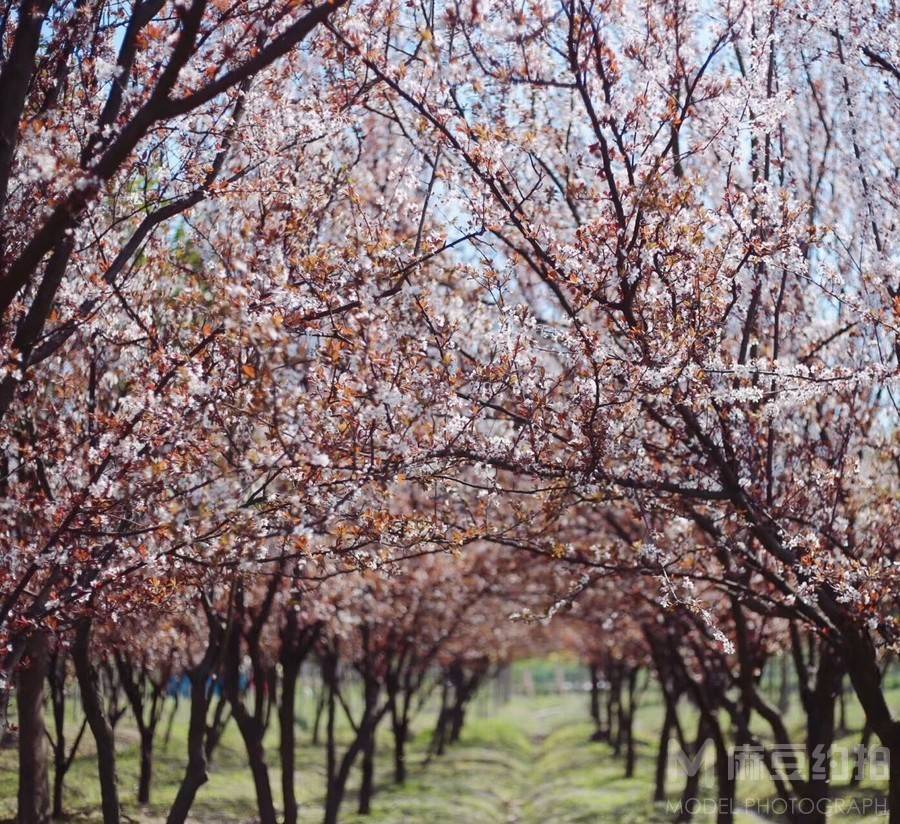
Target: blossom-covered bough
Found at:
x=117, y=120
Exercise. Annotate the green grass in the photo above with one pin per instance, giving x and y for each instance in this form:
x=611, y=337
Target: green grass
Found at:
x=528, y=760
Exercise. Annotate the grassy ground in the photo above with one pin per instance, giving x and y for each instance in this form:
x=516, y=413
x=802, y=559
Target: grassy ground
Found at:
x=528, y=760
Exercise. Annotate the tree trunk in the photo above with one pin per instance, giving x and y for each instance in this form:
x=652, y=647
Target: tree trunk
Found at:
x=630, y=752
x=363, y=740
x=337, y=772
x=250, y=724
x=784, y=694
x=595, y=695
x=134, y=681
x=34, y=785
x=859, y=764
x=614, y=709
x=438, y=739
x=62, y=754
x=260, y=772
x=457, y=721
x=289, y=674
x=329, y=681
x=463, y=689
x=333, y=800
x=337, y=784
x=842, y=709
x=692, y=781
x=599, y=733
x=662, y=753
x=367, y=745
x=819, y=737
x=59, y=781
x=216, y=728
x=171, y=720
x=400, y=729
x=367, y=785
x=146, y=768
x=861, y=661
x=56, y=675
x=894, y=782
x=195, y=773
x=621, y=718
x=98, y=722
x=252, y=731
x=725, y=776
x=320, y=706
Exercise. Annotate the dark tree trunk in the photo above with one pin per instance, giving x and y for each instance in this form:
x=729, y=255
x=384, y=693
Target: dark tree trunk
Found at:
x=366, y=738
x=842, y=709
x=137, y=682
x=662, y=752
x=457, y=721
x=289, y=675
x=364, y=732
x=317, y=721
x=595, y=695
x=337, y=785
x=599, y=734
x=296, y=644
x=630, y=752
x=171, y=720
x=195, y=775
x=62, y=755
x=861, y=660
x=784, y=693
x=257, y=759
x=464, y=688
x=621, y=716
x=98, y=722
x=333, y=800
x=400, y=730
x=725, y=776
x=894, y=782
x=367, y=785
x=334, y=787
x=333, y=791
x=614, y=708
x=439, y=738
x=34, y=785
x=859, y=764
x=401, y=734
x=110, y=688
x=56, y=676
x=819, y=704
x=456, y=717
x=146, y=768
x=692, y=780
x=59, y=782
x=216, y=728
x=251, y=722
x=252, y=731
x=329, y=666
